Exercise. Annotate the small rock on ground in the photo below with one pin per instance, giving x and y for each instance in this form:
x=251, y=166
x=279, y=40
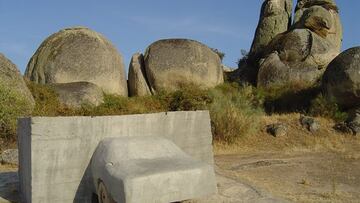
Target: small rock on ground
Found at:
x=309, y=123
x=9, y=156
x=277, y=129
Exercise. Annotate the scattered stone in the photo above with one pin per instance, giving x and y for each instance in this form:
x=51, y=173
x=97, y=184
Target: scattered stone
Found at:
x=138, y=84
x=11, y=78
x=78, y=54
x=309, y=123
x=342, y=127
x=341, y=81
x=353, y=121
x=9, y=156
x=355, y=127
x=76, y=94
x=277, y=130
x=173, y=63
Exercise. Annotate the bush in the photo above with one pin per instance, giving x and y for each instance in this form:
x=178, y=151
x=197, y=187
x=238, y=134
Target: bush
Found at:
x=12, y=106
x=234, y=112
x=321, y=106
x=293, y=97
x=219, y=53
x=47, y=102
x=188, y=98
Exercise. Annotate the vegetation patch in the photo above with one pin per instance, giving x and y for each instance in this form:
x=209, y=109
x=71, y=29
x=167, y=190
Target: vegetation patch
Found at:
x=236, y=111
x=12, y=106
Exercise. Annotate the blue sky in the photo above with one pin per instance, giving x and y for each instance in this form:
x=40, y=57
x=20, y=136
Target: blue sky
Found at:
x=131, y=26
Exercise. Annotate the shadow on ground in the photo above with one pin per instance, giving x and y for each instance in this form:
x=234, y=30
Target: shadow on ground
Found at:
x=9, y=187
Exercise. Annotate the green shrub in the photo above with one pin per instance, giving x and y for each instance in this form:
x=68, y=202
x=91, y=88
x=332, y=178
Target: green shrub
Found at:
x=46, y=100
x=294, y=97
x=188, y=98
x=234, y=112
x=12, y=106
x=322, y=106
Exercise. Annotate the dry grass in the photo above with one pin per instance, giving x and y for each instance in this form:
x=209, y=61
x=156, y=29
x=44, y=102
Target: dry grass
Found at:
x=298, y=139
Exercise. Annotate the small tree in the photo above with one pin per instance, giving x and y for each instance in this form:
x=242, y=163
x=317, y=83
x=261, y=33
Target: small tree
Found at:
x=219, y=53
x=244, y=57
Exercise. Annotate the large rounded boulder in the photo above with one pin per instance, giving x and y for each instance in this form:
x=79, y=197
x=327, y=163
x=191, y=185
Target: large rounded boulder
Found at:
x=172, y=63
x=341, y=80
x=78, y=55
x=11, y=79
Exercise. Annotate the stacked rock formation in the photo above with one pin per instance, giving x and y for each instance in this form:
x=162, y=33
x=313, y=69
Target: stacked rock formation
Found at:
x=172, y=63
x=299, y=54
x=78, y=55
x=11, y=78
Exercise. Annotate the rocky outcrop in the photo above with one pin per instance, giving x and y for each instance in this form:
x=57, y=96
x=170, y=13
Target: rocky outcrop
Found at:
x=78, y=54
x=137, y=82
x=11, y=78
x=78, y=93
x=172, y=63
x=321, y=17
x=299, y=54
x=275, y=18
x=341, y=81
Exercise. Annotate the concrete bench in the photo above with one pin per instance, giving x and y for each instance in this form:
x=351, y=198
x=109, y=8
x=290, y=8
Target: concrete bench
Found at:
x=55, y=152
x=148, y=169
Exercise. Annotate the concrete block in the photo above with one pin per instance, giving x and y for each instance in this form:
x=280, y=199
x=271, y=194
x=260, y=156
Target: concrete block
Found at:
x=149, y=169
x=55, y=152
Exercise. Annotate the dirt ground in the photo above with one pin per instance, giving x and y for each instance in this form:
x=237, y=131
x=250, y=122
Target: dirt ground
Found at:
x=300, y=167
x=298, y=177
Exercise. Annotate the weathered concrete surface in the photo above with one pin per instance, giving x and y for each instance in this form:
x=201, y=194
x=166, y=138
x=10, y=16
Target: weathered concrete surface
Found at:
x=55, y=152
x=149, y=169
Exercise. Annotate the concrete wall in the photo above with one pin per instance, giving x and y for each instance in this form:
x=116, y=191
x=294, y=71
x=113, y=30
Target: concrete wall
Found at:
x=55, y=151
